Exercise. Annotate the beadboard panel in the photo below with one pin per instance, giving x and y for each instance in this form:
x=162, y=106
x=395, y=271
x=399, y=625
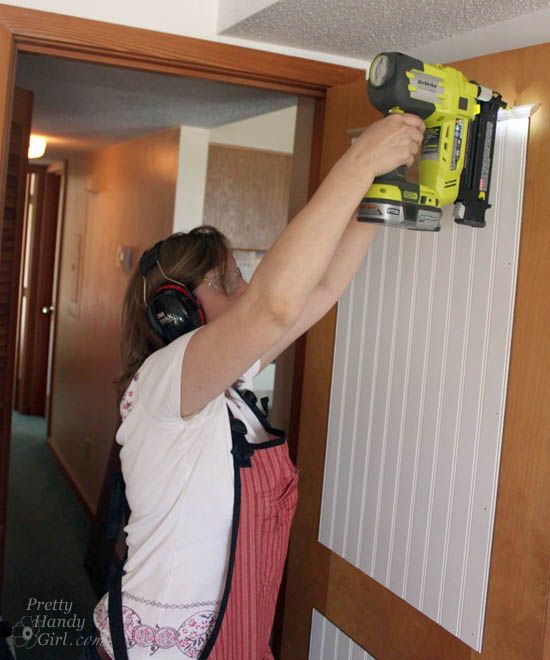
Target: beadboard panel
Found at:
x=417, y=404
x=327, y=642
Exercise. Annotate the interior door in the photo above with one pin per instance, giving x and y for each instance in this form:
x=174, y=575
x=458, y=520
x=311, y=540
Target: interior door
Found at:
x=39, y=308
x=378, y=621
x=10, y=262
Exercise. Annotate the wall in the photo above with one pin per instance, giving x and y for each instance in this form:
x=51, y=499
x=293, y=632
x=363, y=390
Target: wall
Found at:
x=191, y=179
x=247, y=195
x=234, y=11
x=273, y=131
x=370, y=614
x=121, y=195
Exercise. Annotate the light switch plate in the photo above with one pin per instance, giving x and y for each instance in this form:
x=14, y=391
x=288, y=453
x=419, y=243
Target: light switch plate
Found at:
x=125, y=257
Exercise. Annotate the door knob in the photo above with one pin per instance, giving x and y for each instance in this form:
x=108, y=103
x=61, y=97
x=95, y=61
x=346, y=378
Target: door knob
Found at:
x=47, y=310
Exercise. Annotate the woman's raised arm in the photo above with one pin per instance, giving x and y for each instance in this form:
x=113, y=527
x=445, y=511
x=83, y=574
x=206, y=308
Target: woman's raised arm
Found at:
x=219, y=352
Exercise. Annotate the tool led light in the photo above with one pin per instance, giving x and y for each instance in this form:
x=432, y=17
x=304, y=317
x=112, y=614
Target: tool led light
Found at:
x=518, y=112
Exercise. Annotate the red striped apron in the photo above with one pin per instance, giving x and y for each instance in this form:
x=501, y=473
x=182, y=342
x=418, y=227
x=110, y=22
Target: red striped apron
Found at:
x=266, y=493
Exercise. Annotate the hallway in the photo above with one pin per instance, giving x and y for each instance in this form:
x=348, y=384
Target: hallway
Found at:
x=47, y=534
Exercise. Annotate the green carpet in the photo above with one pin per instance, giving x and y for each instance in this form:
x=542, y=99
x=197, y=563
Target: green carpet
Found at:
x=47, y=534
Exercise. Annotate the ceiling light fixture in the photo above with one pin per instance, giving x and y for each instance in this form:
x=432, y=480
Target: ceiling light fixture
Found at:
x=37, y=146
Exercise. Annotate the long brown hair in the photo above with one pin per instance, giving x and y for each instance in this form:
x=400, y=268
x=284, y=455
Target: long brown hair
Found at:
x=185, y=257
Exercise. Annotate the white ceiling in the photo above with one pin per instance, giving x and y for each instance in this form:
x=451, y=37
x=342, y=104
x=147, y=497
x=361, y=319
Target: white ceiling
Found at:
x=87, y=105
x=362, y=28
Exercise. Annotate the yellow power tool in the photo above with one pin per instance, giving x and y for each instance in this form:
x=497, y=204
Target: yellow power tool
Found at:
x=457, y=151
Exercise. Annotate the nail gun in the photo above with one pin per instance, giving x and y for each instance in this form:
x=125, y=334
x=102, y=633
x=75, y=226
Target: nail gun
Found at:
x=457, y=151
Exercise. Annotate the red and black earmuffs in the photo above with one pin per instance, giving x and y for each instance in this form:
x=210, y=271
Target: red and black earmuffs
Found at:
x=173, y=310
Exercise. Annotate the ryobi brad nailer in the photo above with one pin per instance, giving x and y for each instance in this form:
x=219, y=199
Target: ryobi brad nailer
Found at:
x=457, y=151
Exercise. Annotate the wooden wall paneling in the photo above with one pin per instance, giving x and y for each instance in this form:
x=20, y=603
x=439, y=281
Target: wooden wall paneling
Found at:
x=132, y=203
x=546, y=643
x=247, y=193
x=378, y=620
x=11, y=240
x=518, y=582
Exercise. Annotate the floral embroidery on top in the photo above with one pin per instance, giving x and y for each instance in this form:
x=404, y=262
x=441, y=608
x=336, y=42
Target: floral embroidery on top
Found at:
x=128, y=398
x=189, y=638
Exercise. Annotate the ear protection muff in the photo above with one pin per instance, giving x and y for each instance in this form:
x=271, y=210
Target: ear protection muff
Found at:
x=173, y=310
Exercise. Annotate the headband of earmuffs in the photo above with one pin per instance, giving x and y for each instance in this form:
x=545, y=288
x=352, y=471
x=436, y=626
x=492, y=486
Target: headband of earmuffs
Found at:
x=173, y=310
x=150, y=258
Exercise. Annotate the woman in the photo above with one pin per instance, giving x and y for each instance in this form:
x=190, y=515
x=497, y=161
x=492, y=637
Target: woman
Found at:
x=209, y=483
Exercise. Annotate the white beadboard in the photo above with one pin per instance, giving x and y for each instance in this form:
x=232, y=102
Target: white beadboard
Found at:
x=417, y=404
x=327, y=642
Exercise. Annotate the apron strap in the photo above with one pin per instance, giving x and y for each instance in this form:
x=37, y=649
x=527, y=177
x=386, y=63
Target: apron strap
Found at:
x=116, y=623
x=251, y=401
x=241, y=449
x=238, y=432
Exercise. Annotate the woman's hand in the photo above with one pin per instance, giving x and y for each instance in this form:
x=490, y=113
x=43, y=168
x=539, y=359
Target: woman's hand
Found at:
x=384, y=146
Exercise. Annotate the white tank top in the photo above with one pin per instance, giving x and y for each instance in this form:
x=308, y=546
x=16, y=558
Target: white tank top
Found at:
x=179, y=485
